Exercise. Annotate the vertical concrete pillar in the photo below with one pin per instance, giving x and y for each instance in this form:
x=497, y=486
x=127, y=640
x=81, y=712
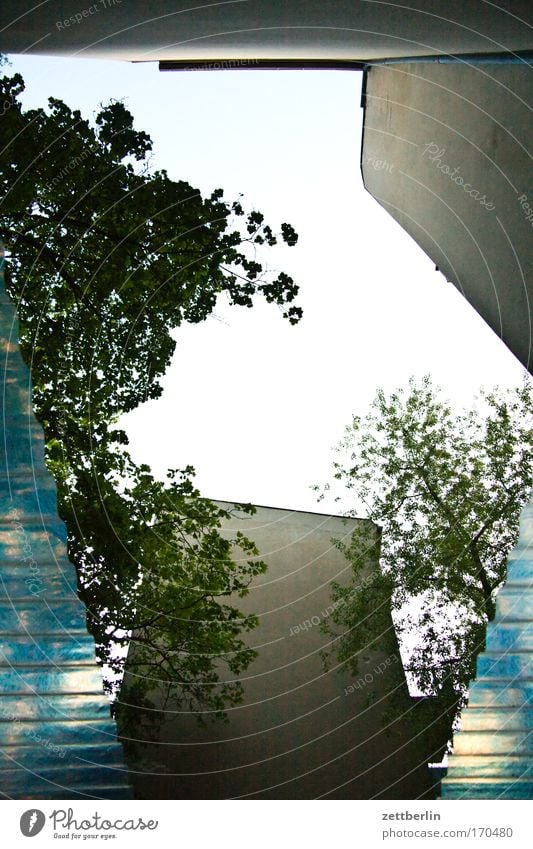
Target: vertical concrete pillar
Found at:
x=57, y=738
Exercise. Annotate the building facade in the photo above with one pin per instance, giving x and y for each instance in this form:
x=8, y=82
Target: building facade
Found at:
x=305, y=730
x=446, y=151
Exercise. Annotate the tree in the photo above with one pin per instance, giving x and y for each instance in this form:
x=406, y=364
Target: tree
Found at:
x=447, y=490
x=106, y=258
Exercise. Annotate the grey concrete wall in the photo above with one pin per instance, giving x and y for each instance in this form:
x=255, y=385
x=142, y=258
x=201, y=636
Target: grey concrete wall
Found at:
x=447, y=152
x=345, y=29
x=302, y=732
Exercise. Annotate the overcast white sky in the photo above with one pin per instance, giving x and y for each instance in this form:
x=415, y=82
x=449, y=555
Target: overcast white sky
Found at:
x=253, y=403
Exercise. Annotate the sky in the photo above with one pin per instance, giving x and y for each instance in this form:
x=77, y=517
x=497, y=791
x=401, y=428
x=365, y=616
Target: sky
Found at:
x=254, y=404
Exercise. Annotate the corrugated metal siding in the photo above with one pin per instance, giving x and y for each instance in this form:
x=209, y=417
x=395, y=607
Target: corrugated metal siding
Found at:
x=57, y=738
x=493, y=751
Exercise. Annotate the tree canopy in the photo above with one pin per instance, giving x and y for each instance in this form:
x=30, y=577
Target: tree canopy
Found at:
x=106, y=257
x=447, y=489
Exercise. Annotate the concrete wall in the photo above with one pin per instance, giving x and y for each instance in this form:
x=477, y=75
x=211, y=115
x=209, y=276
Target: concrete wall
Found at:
x=345, y=29
x=447, y=152
x=302, y=732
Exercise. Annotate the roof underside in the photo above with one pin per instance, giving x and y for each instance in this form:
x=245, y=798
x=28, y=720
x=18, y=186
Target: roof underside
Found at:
x=262, y=29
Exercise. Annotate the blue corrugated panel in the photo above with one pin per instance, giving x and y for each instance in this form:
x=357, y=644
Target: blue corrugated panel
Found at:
x=57, y=738
x=493, y=752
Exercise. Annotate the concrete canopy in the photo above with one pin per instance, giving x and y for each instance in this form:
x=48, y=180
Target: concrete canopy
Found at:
x=357, y=30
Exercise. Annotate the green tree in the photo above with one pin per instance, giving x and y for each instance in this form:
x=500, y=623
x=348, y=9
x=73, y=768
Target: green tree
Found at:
x=447, y=490
x=107, y=257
